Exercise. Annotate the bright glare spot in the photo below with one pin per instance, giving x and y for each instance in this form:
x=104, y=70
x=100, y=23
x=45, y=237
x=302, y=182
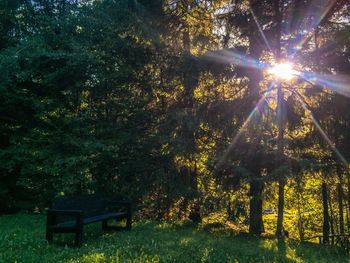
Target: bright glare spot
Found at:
x=283, y=71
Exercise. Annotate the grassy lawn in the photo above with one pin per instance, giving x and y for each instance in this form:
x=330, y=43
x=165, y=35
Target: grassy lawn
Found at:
x=22, y=240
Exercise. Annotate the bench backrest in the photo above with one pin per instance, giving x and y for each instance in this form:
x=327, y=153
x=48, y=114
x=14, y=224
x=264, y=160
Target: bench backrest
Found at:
x=91, y=205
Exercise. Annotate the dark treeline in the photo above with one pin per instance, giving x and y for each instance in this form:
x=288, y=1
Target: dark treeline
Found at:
x=149, y=99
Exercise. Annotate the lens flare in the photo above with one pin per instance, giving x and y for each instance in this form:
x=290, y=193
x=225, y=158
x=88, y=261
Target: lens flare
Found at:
x=317, y=10
x=338, y=83
x=235, y=58
x=283, y=71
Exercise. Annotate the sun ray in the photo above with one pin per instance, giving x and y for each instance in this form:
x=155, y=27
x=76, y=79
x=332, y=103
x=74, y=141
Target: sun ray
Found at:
x=337, y=83
x=321, y=131
x=244, y=126
x=307, y=31
x=260, y=29
x=230, y=57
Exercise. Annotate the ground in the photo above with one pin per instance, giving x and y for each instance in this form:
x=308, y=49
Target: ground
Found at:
x=22, y=240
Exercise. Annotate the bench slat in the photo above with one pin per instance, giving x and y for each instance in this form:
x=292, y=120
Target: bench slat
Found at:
x=89, y=220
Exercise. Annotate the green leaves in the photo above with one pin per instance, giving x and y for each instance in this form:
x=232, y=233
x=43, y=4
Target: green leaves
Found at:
x=74, y=110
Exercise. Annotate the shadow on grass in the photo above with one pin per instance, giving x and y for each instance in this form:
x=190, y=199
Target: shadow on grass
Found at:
x=282, y=250
x=320, y=253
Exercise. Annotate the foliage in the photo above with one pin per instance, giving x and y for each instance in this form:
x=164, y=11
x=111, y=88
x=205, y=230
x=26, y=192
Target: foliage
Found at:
x=81, y=108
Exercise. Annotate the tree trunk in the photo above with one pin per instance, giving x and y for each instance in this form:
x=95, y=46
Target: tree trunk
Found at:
x=300, y=218
x=348, y=204
x=195, y=213
x=255, y=213
x=279, y=231
x=280, y=99
x=331, y=216
x=340, y=206
x=256, y=187
x=186, y=40
x=325, y=214
x=280, y=159
x=183, y=208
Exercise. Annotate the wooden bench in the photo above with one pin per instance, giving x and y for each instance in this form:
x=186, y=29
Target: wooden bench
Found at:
x=70, y=214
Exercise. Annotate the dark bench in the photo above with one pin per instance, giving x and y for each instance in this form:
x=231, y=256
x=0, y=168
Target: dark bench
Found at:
x=70, y=214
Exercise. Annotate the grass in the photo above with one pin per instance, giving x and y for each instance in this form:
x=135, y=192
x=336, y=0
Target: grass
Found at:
x=22, y=240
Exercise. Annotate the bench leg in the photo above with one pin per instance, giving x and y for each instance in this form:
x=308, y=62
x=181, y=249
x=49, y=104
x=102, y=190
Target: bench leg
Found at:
x=128, y=222
x=50, y=220
x=104, y=225
x=78, y=236
x=49, y=236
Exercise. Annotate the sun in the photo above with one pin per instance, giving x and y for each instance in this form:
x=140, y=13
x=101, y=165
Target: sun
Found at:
x=283, y=71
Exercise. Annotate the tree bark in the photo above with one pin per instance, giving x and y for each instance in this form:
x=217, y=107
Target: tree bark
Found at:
x=255, y=213
x=280, y=99
x=256, y=187
x=331, y=222
x=325, y=214
x=348, y=204
x=186, y=40
x=300, y=217
x=280, y=152
x=340, y=207
x=279, y=231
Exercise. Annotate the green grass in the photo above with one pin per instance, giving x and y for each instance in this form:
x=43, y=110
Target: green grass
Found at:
x=22, y=240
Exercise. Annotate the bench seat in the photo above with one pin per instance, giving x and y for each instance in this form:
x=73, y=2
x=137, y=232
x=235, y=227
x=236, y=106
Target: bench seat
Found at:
x=89, y=220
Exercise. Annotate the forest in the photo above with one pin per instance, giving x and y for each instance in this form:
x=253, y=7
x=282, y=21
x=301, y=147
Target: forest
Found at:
x=227, y=114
